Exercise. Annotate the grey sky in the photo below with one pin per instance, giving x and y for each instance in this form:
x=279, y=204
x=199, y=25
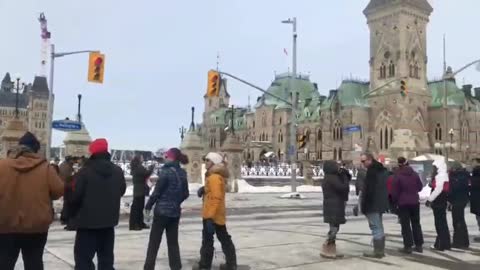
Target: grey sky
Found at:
x=158, y=53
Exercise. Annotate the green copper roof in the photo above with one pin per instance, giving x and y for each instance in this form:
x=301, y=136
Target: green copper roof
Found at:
x=280, y=88
x=455, y=95
x=351, y=93
x=221, y=117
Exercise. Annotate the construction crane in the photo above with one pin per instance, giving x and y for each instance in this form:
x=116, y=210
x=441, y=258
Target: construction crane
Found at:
x=45, y=34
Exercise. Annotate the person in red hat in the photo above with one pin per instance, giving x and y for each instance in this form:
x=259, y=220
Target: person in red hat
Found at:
x=95, y=207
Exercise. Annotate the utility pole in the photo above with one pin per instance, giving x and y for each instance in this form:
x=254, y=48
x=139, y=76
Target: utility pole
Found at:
x=293, y=122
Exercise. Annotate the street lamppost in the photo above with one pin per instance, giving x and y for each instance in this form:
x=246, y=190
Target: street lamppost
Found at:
x=54, y=55
x=446, y=76
x=293, y=123
x=17, y=94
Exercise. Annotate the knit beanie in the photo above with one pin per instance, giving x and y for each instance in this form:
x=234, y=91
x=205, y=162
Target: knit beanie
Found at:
x=29, y=140
x=98, y=146
x=216, y=158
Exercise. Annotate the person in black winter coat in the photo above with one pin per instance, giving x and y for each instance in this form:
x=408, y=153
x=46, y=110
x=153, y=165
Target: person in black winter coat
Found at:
x=335, y=187
x=475, y=196
x=97, y=190
x=359, y=183
x=458, y=198
x=374, y=202
x=170, y=191
x=139, y=177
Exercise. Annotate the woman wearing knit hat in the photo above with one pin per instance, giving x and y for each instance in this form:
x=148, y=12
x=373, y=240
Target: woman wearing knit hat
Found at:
x=170, y=191
x=213, y=214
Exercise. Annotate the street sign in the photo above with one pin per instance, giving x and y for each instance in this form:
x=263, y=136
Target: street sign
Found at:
x=66, y=125
x=352, y=128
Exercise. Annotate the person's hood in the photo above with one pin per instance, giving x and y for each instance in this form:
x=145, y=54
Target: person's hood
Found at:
x=330, y=167
x=405, y=171
x=26, y=161
x=101, y=164
x=220, y=169
x=442, y=175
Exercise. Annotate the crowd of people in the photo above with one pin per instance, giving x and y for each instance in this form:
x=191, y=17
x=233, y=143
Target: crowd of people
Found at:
x=92, y=189
x=397, y=191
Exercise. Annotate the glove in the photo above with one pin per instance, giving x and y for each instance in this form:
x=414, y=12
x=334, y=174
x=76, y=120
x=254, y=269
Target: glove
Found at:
x=201, y=192
x=428, y=204
x=449, y=207
x=209, y=226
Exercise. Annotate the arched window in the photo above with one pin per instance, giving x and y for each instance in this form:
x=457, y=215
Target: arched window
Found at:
x=340, y=154
x=465, y=132
x=280, y=121
x=381, y=139
x=391, y=69
x=264, y=119
x=319, y=135
x=416, y=71
x=383, y=71
x=337, y=131
x=334, y=153
x=438, y=132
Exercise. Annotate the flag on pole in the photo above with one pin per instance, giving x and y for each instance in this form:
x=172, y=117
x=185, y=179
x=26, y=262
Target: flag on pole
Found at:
x=285, y=51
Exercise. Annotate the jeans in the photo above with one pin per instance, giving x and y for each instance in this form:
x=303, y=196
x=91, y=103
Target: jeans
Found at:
x=442, y=242
x=207, y=249
x=31, y=246
x=375, y=223
x=91, y=241
x=136, y=212
x=411, y=228
x=460, y=231
x=170, y=225
x=332, y=233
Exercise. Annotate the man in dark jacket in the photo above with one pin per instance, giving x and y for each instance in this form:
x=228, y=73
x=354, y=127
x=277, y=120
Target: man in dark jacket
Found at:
x=335, y=188
x=139, y=176
x=65, y=170
x=98, y=188
x=475, y=196
x=374, y=202
x=359, y=183
x=458, y=198
x=405, y=188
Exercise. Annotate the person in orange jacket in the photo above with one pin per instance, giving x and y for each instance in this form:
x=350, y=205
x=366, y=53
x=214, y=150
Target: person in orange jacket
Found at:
x=213, y=214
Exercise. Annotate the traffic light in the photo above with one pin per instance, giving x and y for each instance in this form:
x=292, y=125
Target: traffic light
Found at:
x=302, y=141
x=403, y=88
x=213, y=86
x=96, y=66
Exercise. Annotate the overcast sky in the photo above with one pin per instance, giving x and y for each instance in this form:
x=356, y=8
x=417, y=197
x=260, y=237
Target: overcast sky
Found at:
x=158, y=53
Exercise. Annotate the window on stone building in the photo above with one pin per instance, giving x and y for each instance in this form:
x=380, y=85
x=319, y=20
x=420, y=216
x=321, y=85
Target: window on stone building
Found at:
x=319, y=135
x=383, y=71
x=438, y=132
x=381, y=139
x=465, y=132
x=416, y=71
x=264, y=119
x=391, y=69
x=334, y=153
x=340, y=154
x=253, y=124
x=337, y=131
x=280, y=121
x=410, y=71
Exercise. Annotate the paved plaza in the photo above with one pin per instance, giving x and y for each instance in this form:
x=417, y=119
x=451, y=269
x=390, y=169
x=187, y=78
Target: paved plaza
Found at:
x=273, y=233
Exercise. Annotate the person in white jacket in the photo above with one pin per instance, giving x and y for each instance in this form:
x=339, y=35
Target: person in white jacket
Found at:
x=438, y=202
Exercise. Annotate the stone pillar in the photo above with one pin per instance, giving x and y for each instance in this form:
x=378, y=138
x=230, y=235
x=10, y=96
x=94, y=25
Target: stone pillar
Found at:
x=233, y=149
x=192, y=146
x=11, y=135
x=77, y=142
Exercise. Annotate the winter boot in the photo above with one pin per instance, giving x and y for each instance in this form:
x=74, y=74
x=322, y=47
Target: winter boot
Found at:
x=329, y=250
x=198, y=267
x=225, y=266
x=378, y=249
x=405, y=250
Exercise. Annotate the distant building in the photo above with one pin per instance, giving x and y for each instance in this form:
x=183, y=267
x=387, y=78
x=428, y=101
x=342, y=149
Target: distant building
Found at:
x=390, y=124
x=33, y=106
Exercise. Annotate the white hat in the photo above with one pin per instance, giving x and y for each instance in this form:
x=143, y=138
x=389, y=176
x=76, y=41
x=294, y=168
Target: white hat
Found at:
x=216, y=158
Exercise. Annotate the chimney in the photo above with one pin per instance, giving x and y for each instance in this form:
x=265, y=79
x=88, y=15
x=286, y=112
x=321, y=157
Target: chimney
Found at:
x=477, y=92
x=467, y=90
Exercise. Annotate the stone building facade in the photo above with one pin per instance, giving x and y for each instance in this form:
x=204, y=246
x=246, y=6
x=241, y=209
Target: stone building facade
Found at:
x=390, y=123
x=32, y=106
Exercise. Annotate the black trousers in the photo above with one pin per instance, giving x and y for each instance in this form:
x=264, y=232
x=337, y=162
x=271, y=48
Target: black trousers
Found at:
x=91, y=241
x=207, y=249
x=411, y=228
x=136, y=212
x=460, y=231
x=31, y=246
x=442, y=242
x=170, y=225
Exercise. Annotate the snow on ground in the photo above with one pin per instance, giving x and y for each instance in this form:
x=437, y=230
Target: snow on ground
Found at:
x=244, y=187
x=425, y=193
x=192, y=187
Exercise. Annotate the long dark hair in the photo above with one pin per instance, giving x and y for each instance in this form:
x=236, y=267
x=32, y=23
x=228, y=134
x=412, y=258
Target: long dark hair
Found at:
x=136, y=161
x=177, y=155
